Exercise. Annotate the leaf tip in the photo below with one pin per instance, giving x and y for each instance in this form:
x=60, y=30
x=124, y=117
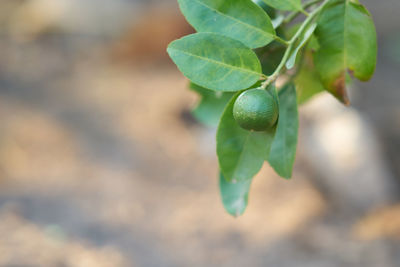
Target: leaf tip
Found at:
x=169, y=48
x=340, y=90
x=237, y=214
x=285, y=174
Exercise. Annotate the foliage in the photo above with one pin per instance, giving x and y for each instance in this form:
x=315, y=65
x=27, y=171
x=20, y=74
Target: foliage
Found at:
x=244, y=45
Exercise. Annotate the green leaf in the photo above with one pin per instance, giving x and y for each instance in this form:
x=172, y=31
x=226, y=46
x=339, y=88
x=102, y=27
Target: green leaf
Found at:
x=283, y=148
x=272, y=132
x=308, y=83
x=306, y=36
x=234, y=195
x=242, y=20
x=209, y=109
x=216, y=62
x=347, y=38
x=285, y=4
x=241, y=153
x=272, y=89
x=276, y=22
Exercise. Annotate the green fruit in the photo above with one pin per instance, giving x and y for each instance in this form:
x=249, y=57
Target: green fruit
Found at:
x=256, y=110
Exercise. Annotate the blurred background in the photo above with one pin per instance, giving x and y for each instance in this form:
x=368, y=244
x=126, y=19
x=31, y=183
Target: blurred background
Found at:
x=102, y=164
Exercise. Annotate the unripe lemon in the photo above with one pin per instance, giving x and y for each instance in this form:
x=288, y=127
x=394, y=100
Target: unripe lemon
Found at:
x=256, y=110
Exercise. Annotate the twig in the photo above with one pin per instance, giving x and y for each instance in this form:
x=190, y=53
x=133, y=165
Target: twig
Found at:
x=291, y=43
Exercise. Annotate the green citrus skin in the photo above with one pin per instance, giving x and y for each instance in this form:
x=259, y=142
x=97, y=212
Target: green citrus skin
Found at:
x=255, y=110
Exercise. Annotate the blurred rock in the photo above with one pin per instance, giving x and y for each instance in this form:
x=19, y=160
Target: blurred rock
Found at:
x=341, y=146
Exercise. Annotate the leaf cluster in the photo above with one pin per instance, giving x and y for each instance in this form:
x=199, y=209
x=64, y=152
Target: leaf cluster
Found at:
x=244, y=44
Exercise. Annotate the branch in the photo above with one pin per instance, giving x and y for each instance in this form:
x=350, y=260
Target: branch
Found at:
x=294, y=14
x=292, y=41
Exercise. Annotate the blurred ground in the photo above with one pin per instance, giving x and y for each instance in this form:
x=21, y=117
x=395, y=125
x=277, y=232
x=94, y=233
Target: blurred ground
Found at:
x=102, y=165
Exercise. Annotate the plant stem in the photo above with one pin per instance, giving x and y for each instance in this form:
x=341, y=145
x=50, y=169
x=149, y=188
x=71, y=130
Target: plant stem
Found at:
x=282, y=41
x=305, y=13
x=291, y=43
x=294, y=14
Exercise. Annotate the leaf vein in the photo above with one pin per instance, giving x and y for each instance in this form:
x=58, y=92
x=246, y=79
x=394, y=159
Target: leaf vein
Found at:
x=270, y=35
x=217, y=62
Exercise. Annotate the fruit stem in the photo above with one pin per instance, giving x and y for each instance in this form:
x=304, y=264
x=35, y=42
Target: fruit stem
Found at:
x=292, y=41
